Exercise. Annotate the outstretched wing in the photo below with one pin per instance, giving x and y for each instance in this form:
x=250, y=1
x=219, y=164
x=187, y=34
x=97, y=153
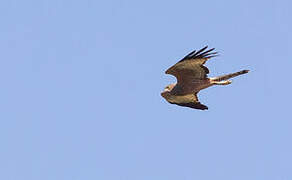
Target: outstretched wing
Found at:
x=189, y=100
x=194, y=105
x=191, y=66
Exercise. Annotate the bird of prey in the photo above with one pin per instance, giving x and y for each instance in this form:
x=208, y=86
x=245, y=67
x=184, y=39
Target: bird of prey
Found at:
x=191, y=75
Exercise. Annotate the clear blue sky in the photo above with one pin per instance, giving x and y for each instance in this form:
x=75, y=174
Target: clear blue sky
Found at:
x=81, y=82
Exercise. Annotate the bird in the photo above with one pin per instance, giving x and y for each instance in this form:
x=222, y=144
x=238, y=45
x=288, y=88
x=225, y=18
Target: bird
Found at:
x=191, y=75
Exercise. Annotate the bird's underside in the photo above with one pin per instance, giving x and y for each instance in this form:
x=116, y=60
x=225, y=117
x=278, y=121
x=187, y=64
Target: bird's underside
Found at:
x=191, y=75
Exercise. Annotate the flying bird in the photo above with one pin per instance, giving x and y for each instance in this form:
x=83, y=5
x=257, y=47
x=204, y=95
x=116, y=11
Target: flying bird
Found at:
x=191, y=75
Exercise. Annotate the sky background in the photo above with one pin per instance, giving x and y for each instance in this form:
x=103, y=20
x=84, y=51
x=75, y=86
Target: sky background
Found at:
x=81, y=82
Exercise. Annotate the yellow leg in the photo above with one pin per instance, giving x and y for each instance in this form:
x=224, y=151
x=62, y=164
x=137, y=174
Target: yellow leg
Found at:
x=222, y=82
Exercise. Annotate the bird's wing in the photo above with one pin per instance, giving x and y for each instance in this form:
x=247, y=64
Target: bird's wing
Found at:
x=191, y=66
x=190, y=100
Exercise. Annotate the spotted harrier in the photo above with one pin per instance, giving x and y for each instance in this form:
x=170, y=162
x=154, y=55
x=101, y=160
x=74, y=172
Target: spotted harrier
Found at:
x=191, y=75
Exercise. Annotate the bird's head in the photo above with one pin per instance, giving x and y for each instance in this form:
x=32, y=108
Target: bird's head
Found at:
x=166, y=92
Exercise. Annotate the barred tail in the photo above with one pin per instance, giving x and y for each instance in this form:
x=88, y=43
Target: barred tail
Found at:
x=228, y=76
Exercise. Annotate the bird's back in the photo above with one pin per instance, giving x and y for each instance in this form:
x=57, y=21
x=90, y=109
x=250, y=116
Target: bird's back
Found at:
x=192, y=87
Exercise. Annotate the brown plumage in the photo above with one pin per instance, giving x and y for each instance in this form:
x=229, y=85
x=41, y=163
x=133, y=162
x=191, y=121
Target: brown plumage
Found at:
x=191, y=75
